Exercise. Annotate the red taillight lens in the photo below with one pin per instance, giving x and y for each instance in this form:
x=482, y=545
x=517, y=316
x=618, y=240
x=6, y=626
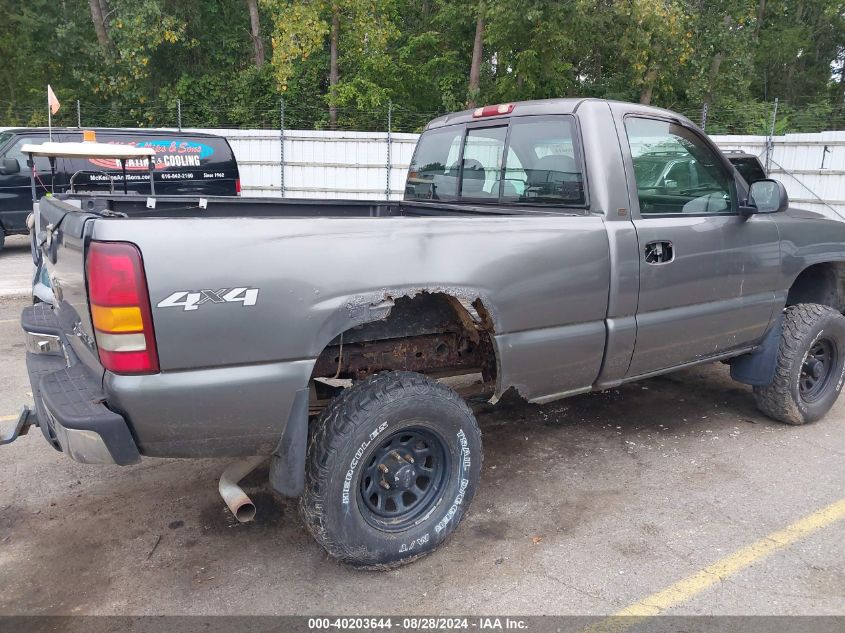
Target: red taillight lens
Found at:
x=129, y=362
x=238, y=186
x=115, y=275
x=120, y=308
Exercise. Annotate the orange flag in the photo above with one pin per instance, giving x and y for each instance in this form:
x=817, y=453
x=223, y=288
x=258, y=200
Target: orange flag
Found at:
x=52, y=101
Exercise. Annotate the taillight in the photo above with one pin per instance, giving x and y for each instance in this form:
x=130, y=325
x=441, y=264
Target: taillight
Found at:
x=238, y=186
x=491, y=110
x=120, y=308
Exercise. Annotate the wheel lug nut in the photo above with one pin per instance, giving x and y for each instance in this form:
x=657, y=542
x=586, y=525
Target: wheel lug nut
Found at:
x=384, y=484
x=382, y=468
x=409, y=459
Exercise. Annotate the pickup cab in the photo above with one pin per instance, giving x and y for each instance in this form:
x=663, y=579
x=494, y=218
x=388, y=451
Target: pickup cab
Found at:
x=533, y=249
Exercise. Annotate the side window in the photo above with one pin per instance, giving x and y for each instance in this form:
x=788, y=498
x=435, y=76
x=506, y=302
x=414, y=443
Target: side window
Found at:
x=42, y=164
x=541, y=166
x=676, y=172
x=433, y=173
x=484, y=149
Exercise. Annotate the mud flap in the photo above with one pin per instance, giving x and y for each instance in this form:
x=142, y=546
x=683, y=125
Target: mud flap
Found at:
x=758, y=367
x=287, y=465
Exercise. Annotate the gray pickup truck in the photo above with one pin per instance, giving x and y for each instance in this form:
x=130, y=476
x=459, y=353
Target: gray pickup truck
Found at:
x=533, y=249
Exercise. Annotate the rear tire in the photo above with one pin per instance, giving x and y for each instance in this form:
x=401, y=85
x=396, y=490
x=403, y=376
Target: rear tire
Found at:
x=2, y=238
x=393, y=465
x=810, y=365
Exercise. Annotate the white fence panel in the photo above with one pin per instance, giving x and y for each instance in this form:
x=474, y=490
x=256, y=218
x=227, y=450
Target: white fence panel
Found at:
x=321, y=164
x=811, y=166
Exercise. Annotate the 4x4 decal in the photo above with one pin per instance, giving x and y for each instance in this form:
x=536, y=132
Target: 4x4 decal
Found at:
x=193, y=299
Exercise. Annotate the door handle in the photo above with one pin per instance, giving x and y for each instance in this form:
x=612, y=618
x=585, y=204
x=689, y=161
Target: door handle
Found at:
x=659, y=252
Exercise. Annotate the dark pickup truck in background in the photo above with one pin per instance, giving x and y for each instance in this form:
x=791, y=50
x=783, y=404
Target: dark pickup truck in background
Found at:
x=187, y=163
x=533, y=250
x=748, y=165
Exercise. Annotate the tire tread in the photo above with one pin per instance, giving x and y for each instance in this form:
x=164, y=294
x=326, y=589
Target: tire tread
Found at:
x=775, y=399
x=334, y=429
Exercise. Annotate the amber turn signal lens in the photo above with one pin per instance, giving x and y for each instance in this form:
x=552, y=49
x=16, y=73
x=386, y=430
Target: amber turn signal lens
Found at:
x=121, y=319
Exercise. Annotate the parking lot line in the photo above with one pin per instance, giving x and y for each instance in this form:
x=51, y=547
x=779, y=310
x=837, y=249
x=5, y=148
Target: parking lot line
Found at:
x=10, y=320
x=685, y=589
x=8, y=418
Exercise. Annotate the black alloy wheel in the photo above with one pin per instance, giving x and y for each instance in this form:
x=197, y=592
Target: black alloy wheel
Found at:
x=817, y=369
x=402, y=479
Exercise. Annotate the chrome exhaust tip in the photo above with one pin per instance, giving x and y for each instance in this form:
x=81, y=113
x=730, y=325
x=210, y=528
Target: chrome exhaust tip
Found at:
x=238, y=502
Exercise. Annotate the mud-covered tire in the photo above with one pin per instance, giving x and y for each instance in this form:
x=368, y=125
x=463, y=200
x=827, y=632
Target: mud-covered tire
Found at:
x=795, y=396
x=365, y=431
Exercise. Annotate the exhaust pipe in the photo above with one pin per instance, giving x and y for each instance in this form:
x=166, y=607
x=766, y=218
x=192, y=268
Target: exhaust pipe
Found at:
x=236, y=499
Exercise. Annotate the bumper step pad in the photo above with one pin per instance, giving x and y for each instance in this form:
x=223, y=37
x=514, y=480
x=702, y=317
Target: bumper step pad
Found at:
x=40, y=318
x=74, y=399
x=70, y=402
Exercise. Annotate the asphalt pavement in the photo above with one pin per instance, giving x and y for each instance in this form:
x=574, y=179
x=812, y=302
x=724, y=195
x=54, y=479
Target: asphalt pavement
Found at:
x=671, y=494
x=16, y=268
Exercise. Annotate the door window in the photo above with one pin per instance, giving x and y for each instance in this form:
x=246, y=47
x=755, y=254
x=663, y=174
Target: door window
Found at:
x=676, y=171
x=42, y=163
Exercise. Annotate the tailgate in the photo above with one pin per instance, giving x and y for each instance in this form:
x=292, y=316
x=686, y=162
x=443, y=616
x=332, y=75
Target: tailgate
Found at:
x=63, y=235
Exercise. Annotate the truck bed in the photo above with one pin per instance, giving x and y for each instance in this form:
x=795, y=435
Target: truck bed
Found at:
x=228, y=207
x=318, y=269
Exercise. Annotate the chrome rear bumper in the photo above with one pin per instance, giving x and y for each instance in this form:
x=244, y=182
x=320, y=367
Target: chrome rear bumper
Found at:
x=69, y=400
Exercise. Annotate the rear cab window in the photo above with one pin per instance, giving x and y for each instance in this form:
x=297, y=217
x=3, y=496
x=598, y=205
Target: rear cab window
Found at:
x=484, y=149
x=529, y=160
x=543, y=163
x=433, y=173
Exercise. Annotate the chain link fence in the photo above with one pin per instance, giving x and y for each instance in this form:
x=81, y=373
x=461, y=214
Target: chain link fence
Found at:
x=766, y=118
x=179, y=114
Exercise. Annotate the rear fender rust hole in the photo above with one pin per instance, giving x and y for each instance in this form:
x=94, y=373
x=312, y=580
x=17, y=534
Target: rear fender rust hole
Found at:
x=442, y=349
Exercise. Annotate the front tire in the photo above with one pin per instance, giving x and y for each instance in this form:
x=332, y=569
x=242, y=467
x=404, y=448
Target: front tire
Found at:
x=810, y=365
x=392, y=467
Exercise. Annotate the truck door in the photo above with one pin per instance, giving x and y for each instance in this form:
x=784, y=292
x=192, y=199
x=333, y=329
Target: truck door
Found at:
x=707, y=273
x=15, y=190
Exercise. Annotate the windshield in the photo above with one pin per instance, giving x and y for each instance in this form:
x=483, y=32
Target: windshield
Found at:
x=5, y=136
x=648, y=170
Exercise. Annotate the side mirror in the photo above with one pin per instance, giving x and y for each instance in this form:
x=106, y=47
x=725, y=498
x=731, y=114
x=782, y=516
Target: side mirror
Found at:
x=766, y=196
x=10, y=166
